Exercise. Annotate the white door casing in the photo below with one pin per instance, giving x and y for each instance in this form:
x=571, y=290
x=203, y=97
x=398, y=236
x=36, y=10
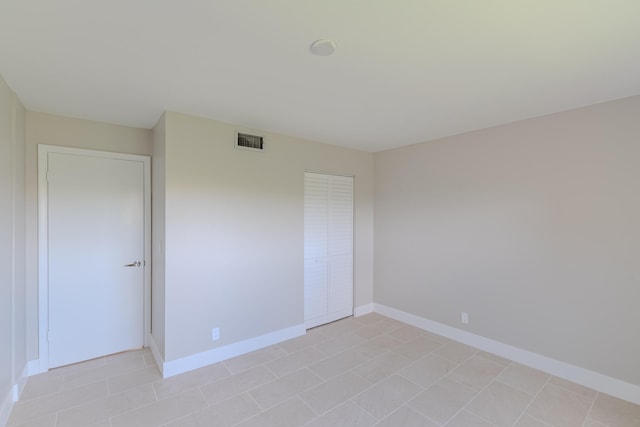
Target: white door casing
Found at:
x=328, y=248
x=94, y=219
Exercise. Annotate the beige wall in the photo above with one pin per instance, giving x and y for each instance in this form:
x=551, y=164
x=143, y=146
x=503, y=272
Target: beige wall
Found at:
x=203, y=165
x=234, y=232
x=68, y=132
x=13, y=358
x=532, y=228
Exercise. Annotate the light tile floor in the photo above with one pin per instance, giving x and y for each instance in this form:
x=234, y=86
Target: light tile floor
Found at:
x=366, y=371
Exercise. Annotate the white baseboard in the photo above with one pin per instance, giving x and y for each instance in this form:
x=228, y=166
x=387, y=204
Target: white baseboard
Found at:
x=18, y=387
x=35, y=367
x=155, y=352
x=594, y=380
x=12, y=395
x=361, y=310
x=5, y=407
x=198, y=360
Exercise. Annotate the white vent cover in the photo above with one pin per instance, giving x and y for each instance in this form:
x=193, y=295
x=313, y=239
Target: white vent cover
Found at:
x=251, y=142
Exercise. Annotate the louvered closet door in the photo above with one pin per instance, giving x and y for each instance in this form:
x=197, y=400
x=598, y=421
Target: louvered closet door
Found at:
x=328, y=248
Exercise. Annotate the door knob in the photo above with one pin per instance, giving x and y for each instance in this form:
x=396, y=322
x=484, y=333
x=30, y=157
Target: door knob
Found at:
x=134, y=264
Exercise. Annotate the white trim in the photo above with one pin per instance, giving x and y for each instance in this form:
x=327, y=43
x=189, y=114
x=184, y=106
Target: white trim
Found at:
x=15, y=392
x=42, y=364
x=361, y=310
x=198, y=360
x=18, y=388
x=12, y=396
x=5, y=408
x=155, y=352
x=35, y=367
x=576, y=374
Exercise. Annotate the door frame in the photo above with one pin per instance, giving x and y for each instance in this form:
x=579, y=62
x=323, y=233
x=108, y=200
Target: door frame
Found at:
x=43, y=242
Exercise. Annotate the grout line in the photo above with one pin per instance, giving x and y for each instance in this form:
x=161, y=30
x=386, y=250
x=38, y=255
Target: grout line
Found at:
x=535, y=396
x=393, y=412
x=473, y=398
x=593, y=402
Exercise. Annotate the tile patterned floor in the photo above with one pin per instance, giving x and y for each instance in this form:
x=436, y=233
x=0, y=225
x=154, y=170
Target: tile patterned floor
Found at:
x=366, y=371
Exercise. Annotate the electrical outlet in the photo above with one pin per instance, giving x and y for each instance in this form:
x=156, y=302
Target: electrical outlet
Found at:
x=215, y=334
x=464, y=318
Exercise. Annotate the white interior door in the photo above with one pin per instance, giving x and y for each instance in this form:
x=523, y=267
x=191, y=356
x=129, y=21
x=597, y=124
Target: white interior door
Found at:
x=316, y=249
x=340, y=247
x=95, y=219
x=328, y=248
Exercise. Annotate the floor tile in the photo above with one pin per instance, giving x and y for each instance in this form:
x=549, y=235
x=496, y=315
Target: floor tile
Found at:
x=417, y=347
x=226, y=413
x=36, y=408
x=149, y=359
x=615, y=412
x=456, y=352
x=528, y=421
x=102, y=409
x=407, y=333
x=467, y=419
x=45, y=421
x=113, y=368
x=79, y=367
x=523, y=378
x=377, y=346
x=500, y=404
x=406, y=417
x=292, y=413
x=282, y=389
x=369, y=331
x=162, y=412
x=340, y=327
x=338, y=364
x=304, y=341
x=370, y=318
x=476, y=372
x=387, y=396
x=347, y=415
x=359, y=372
x=493, y=357
x=443, y=400
x=236, y=384
x=133, y=379
x=428, y=370
x=381, y=367
x=295, y=361
x=332, y=393
x=255, y=358
x=560, y=407
x=199, y=377
x=340, y=343
x=41, y=385
x=437, y=338
x=576, y=388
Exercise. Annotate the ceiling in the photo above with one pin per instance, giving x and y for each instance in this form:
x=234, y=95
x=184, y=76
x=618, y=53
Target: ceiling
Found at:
x=404, y=71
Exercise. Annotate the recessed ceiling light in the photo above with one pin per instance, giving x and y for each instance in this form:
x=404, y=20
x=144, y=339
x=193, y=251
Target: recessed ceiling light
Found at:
x=323, y=47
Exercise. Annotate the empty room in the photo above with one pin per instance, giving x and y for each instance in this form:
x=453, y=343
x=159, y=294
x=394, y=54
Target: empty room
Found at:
x=281, y=213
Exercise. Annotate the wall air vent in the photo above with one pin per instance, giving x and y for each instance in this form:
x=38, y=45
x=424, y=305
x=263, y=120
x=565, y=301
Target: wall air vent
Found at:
x=251, y=142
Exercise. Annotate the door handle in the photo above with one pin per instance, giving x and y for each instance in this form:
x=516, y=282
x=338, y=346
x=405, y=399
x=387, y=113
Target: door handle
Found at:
x=134, y=264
